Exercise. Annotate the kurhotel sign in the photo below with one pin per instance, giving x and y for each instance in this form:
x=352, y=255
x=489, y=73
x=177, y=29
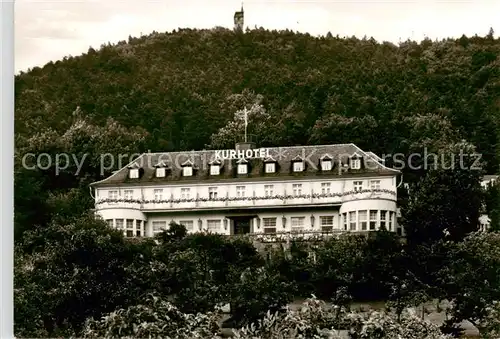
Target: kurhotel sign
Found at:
x=260, y=153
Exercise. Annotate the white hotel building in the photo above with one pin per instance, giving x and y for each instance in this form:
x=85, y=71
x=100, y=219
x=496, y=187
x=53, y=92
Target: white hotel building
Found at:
x=303, y=189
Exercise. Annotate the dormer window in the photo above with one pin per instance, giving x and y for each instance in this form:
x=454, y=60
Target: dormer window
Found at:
x=355, y=162
x=160, y=172
x=187, y=168
x=269, y=165
x=298, y=166
x=215, y=167
x=134, y=171
x=161, y=169
x=187, y=171
x=242, y=166
x=326, y=163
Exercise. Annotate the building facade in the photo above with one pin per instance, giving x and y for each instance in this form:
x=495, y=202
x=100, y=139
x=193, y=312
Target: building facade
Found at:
x=265, y=191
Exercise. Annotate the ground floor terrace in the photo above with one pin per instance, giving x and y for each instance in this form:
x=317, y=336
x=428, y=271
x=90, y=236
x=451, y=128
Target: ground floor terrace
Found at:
x=264, y=223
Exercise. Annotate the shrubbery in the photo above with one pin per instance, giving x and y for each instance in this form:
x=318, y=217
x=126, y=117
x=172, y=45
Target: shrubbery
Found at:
x=70, y=272
x=155, y=318
x=160, y=319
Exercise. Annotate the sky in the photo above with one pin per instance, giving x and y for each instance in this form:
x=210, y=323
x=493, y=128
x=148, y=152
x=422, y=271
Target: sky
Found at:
x=51, y=29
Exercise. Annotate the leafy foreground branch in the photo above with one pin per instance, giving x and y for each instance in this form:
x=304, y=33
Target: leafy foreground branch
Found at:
x=160, y=319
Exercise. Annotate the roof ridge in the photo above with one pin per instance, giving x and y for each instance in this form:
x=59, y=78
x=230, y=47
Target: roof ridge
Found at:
x=273, y=147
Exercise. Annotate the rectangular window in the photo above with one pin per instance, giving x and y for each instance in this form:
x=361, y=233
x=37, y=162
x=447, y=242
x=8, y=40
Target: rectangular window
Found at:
x=187, y=171
x=159, y=226
x=109, y=222
x=158, y=194
x=160, y=172
x=214, y=170
x=213, y=225
x=189, y=224
x=375, y=184
x=344, y=220
x=119, y=224
x=326, y=223
x=130, y=224
x=373, y=220
x=358, y=186
x=326, y=165
x=383, y=220
x=212, y=193
x=270, y=167
x=134, y=173
x=352, y=221
x=325, y=188
x=297, y=189
x=138, y=228
x=113, y=195
x=391, y=216
x=363, y=220
x=269, y=225
x=240, y=191
x=242, y=168
x=355, y=163
x=128, y=194
x=185, y=193
x=297, y=223
x=268, y=190
x=298, y=166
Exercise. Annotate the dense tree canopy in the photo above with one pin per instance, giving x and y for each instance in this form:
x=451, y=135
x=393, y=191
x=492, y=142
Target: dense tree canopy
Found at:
x=186, y=90
x=183, y=86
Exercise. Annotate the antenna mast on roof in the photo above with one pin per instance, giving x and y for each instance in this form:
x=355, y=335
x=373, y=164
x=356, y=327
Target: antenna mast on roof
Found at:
x=243, y=115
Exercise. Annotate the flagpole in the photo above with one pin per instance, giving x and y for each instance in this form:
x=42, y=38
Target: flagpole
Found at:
x=246, y=123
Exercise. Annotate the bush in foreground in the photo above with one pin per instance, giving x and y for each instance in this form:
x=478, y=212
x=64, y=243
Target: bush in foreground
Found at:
x=155, y=319
x=160, y=319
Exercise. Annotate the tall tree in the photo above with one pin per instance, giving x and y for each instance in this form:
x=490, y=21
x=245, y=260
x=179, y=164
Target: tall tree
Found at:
x=446, y=201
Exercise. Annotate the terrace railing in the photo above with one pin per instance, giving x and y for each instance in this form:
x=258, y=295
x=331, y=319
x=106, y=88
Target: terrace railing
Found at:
x=292, y=235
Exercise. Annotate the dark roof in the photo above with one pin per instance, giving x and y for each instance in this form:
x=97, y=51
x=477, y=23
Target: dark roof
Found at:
x=283, y=155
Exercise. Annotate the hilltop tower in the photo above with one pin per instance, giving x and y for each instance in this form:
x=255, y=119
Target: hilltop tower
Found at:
x=239, y=20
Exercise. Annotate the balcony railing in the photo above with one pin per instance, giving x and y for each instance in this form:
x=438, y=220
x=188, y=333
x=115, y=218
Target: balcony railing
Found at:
x=226, y=201
x=292, y=235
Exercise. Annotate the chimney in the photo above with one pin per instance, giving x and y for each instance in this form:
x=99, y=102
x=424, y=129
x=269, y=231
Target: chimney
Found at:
x=249, y=143
x=244, y=145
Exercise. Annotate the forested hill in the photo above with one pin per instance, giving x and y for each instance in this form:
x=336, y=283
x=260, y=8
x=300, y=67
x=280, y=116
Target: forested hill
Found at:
x=181, y=87
x=183, y=91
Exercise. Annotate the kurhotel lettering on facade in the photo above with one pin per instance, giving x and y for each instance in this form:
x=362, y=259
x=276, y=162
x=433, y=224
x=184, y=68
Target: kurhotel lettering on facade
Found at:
x=259, y=153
